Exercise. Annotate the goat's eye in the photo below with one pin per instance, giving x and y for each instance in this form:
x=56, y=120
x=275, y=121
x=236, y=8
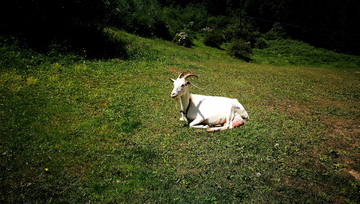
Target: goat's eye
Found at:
x=182, y=85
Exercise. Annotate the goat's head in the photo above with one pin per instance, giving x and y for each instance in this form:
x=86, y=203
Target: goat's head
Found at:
x=180, y=85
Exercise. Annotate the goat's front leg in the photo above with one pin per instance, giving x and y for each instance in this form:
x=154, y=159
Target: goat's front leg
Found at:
x=194, y=123
x=201, y=126
x=183, y=117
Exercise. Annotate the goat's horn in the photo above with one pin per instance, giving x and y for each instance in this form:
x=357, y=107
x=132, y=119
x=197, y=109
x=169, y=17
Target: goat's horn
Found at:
x=189, y=75
x=181, y=74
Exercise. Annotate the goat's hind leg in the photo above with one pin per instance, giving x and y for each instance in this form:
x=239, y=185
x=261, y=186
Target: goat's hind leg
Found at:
x=227, y=125
x=217, y=129
x=236, y=122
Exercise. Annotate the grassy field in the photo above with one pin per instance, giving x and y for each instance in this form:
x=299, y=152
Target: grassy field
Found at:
x=107, y=131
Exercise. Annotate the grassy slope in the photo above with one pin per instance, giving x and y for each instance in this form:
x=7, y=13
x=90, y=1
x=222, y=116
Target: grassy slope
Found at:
x=108, y=131
x=293, y=52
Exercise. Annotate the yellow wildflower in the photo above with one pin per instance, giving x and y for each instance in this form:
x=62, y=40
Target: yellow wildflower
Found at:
x=31, y=80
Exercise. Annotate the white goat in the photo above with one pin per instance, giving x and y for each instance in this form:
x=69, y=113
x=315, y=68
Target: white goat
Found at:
x=205, y=111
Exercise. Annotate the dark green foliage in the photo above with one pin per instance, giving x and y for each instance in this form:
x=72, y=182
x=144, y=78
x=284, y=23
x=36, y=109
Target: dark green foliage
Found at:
x=232, y=31
x=43, y=23
x=306, y=20
x=241, y=28
x=217, y=22
x=213, y=38
x=173, y=18
x=191, y=18
x=72, y=26
x=142, y=17
x=337, y=32
x=239, y=49
x=261, y=43
x=271, y=35
x=276, y=32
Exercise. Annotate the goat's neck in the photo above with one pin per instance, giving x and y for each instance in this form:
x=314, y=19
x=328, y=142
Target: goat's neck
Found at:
x=184, y=101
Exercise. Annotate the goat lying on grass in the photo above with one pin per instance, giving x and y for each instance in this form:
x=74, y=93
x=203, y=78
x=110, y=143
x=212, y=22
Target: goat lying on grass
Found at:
x=205, y=111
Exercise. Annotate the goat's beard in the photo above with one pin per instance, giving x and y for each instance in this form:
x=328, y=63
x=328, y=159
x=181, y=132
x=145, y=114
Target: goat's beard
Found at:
x=177, y=99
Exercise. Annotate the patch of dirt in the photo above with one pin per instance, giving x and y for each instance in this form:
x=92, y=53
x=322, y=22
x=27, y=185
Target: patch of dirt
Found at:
x=95, y=109
x=341, y=134
x=354, y=173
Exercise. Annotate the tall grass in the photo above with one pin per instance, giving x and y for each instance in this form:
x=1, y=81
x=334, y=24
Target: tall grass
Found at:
x=107, y=131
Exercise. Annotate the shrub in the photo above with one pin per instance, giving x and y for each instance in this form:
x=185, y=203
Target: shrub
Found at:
x=142, y=17
x=277, y=32
x=183, y=39
x=239, y=49
x=213, y=38
x=261, y=43
x=178, y=19
x=232, y=31
x=271, y=35
x=218, y=22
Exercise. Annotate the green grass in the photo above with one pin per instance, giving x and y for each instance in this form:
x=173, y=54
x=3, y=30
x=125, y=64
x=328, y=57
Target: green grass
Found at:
x=107, y=131
x=293, y=52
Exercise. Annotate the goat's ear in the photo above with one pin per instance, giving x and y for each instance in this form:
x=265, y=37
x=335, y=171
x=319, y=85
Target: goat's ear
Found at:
x=188, y=83
x=172, y=80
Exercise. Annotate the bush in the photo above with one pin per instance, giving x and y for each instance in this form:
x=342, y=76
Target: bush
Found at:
x=239, y=49
x=142, y=17
x=183, y=39
x=277, y=32
x=218, y=22
x=189, y=18
x=272, y=35
x=213, y=38
x=261, y=43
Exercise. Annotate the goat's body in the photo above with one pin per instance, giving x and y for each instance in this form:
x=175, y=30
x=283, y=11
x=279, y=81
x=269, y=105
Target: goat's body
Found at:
x=205, y=111
x=215, y=110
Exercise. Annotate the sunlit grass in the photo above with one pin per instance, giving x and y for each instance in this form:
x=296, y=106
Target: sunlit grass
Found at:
x=108, y=131
x=294, y=52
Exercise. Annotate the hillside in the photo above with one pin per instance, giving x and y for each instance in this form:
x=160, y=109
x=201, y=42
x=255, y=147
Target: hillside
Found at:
x=82, y=130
